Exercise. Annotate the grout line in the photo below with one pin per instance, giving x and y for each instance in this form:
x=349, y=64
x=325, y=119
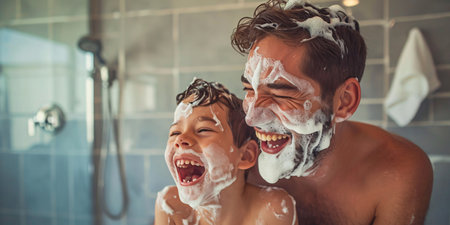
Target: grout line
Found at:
x=176, y=52
x=371, y=101
x=375, y=61
x=146, y=174
x=385, y=122
x=366, y=23
x=18, y=9
x=70, y=186
x=420, y=17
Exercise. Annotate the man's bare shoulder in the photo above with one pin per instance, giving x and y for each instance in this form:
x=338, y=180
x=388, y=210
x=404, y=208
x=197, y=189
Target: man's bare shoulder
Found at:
x=392, y=159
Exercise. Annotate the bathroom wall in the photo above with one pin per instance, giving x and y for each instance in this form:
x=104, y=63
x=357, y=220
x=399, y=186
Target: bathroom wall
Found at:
x=158, y=47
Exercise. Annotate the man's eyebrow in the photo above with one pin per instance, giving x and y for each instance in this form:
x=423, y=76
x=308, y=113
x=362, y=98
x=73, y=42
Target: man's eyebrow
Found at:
x=279, y=86
x=244, y=80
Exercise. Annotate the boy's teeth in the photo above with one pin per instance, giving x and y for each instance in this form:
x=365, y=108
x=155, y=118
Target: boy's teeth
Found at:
x=184, y=163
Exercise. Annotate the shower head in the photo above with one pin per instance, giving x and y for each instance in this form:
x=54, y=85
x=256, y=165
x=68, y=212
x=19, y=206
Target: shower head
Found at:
x=92, y=45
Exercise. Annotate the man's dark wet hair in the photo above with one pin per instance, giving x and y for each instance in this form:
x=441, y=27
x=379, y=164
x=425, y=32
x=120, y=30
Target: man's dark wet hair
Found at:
x=203, y=93
x=324, y=62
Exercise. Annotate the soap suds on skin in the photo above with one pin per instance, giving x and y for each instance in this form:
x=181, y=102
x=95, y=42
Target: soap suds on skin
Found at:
x=162, y=202
x=306, y=127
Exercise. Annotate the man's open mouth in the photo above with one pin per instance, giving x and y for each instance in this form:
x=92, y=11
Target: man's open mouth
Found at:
x=272, y=143
x=189, y=171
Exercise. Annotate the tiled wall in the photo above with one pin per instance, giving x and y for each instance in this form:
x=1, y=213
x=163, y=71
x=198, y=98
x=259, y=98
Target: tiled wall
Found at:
x=159, y=46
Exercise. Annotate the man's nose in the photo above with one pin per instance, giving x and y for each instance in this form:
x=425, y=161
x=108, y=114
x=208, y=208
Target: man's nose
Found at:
x=183, y=141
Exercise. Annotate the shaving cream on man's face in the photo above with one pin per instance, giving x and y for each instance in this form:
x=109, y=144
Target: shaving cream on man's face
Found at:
x=288, y=116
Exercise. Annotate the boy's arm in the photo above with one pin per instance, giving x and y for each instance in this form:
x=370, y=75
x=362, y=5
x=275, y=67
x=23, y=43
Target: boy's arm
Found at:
x=162, y=208
x=279, y=209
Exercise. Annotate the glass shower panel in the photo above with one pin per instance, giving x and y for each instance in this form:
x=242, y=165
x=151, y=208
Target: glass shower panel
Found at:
x=45, y=178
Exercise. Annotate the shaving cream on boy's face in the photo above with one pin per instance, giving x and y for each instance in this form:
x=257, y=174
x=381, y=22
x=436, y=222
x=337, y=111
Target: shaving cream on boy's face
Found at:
x=200, y=154
x=286, y=111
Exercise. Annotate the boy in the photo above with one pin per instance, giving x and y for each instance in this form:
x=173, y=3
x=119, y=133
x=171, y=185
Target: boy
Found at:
x=208, y=151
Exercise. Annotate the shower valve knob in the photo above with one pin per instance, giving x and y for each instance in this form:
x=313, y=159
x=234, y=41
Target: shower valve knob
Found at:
x=48, y=118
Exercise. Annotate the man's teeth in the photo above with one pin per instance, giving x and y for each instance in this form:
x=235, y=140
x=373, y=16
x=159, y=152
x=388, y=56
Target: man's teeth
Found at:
x=268, y=137
x=184, y=163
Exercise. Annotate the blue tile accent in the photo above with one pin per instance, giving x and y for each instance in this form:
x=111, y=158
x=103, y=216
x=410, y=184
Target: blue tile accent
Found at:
x=82, y=221
x=81, y=169
x=439, y=211
x=72, y=138
x=9, y=219
x=159, y=175
x=36, y=183
x=38, y=220
x=61, y=184
x=135, y=171
x=9, y=181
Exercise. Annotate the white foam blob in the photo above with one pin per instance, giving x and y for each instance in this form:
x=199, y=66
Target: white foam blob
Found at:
x=162, y=202
x=182, y=110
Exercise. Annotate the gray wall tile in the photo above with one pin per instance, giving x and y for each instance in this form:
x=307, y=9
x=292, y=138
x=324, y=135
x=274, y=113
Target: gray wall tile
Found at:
x=441, y=108
x=159, y=175
x=444, y=78
x=372, y=83
x=70, y=7
x=421, y=136
x=34, y=8
x=432, y=31
x=148, y=93
x=142, y=4
x=148, y=42
x=10, y=182
x=146, y=133
x=368, y=10
x=422, y=114
x=36, y=183
x=368, y=112
x=230, y=79
x=8, y=10
x=417, y=7
x=205, y=38
x=373, y=36
x=438, y=212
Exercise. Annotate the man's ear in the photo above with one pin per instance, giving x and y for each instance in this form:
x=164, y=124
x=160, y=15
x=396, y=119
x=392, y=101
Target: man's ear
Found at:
x=346, y=99
x=249, y=154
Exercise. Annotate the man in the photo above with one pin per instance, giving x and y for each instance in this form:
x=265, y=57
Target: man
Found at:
x=302, y=84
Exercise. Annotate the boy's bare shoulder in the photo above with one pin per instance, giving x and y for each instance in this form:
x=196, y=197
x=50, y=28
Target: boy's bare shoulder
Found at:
x=274, y=206
x=168, y=202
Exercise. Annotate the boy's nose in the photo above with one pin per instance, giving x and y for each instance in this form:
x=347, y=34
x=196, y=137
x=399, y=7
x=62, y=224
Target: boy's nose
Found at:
x=183, y=141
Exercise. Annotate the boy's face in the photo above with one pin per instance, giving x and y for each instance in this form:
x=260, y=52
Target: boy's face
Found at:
x=285, y=108
x=200, y=152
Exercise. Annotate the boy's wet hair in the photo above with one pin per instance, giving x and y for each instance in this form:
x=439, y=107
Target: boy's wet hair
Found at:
x=325, y=63
x=203, y=93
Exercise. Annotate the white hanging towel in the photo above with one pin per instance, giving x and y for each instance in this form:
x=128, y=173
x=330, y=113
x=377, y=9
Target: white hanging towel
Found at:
x=415, y=77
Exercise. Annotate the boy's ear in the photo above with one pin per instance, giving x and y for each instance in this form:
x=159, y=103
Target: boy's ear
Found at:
x=250, y=152
x=346, y=99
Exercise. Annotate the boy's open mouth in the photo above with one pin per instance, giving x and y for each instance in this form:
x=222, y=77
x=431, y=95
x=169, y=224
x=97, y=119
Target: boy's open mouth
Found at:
x=189, y=171
x=272, y=143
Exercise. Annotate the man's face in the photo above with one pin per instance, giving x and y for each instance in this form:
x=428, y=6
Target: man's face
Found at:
x=200, y=153
x=285, y=108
